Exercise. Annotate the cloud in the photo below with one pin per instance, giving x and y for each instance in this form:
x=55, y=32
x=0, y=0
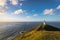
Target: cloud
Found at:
x=14, y=2
x=3, y=2
x=3, y=10
x=28, y=17
x=20, y=11
x=51, y=11
x=48, y=11
x=21, y=4
x=3, y=7
x=58, y=7
x=35, y=15
x=21, y=0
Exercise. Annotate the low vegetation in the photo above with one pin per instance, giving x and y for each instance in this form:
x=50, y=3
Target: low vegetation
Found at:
x=35, y=34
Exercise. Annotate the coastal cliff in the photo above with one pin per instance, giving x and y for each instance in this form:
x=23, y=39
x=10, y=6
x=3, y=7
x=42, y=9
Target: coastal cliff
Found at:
x=42, y=31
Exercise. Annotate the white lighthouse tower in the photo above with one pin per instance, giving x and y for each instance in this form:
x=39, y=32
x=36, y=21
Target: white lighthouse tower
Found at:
x=44, y=22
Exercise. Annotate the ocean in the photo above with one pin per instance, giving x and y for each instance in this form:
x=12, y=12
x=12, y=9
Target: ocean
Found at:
x=10, y=29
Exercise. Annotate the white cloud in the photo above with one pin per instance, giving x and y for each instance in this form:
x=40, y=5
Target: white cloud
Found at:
x=21, y=4
x=3, y=2
x=6, y=7
x=21, y=0
x=14, y=2
x=28, y=17
x=35, y=15
x=3, y=10
x=58, y=7
x=49, y=11
x=20, y=11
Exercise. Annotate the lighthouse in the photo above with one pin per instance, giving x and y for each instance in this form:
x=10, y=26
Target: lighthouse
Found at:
x=44, y=22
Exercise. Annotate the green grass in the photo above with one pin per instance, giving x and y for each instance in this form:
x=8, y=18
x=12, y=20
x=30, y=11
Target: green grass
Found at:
x=39, y=35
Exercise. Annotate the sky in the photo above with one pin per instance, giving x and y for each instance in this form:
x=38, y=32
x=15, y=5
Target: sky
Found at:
x=29, y=10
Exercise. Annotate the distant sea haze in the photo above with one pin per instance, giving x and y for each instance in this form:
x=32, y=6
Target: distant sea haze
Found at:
x=10, y=29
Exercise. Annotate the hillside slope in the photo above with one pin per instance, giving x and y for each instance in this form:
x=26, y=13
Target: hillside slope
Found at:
x=40, y=32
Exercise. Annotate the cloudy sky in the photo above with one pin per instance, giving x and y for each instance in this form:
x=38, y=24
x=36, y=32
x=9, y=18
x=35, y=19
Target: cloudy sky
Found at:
x=29, y=10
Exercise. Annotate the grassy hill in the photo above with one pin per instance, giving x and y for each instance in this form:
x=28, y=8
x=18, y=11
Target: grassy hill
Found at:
x=40, y=33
